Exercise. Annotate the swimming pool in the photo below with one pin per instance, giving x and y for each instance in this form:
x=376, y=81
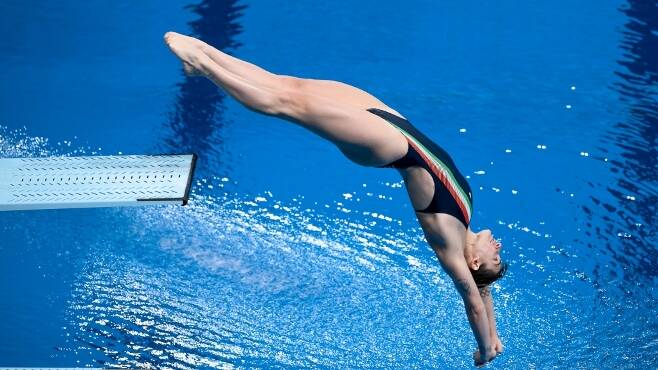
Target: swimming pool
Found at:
x=290, y=256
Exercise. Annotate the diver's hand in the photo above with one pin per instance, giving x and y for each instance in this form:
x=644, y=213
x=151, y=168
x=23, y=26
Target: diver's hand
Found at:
x=482, y=360
x=497, y=345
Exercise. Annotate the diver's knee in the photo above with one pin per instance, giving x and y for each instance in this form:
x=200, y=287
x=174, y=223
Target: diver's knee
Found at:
x=291, y=83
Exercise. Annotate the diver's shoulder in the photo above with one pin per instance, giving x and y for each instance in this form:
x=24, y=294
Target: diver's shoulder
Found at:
x=442, y=230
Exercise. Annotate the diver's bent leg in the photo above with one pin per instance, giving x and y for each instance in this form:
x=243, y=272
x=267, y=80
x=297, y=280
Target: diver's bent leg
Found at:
x=336, y=91
x=339, y=92
x=363, y=137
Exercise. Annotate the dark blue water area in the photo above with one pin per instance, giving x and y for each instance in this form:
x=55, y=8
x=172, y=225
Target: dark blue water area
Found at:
x=290, y=256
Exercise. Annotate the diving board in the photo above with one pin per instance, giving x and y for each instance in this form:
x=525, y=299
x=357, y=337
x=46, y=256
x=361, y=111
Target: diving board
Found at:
x=99, y=181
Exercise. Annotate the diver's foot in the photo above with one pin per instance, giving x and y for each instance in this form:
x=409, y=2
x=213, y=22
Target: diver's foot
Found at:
x=190, y=52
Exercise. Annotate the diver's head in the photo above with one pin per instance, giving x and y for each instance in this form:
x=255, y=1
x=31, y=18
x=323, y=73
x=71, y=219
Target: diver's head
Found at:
x=482, y=253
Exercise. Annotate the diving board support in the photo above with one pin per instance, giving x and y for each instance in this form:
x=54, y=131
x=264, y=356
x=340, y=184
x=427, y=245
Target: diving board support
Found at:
x=98, y=181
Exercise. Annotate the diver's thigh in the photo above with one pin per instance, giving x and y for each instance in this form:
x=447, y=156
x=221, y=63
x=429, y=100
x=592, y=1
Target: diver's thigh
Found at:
x=363, y=137
x=338, y=92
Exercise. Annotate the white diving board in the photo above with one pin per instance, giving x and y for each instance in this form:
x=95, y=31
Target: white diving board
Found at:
x=101, y=181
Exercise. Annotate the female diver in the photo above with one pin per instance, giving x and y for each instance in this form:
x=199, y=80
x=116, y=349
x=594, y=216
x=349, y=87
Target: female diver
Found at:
x=370, y=133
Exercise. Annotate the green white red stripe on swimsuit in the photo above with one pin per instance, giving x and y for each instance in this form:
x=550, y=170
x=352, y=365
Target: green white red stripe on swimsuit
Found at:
x=444, y=174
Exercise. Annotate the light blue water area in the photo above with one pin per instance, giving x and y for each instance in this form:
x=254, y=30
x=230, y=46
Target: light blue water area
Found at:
x=290, y=256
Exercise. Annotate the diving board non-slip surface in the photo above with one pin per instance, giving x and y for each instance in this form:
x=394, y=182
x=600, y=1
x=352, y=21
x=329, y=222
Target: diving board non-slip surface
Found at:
x=102, y=181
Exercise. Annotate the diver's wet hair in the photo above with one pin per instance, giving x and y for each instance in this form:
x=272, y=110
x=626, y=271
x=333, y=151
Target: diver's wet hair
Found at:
x=484, y=277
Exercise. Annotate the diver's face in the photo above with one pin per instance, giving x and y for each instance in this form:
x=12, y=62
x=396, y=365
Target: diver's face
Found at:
x=488, y=249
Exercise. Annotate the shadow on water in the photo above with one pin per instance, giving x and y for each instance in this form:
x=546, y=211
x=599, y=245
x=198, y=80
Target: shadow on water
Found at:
x=629, y=218
x=195, y=122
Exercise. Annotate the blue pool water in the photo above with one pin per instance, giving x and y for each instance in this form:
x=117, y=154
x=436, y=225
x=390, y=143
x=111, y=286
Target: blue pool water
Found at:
x=290, y=256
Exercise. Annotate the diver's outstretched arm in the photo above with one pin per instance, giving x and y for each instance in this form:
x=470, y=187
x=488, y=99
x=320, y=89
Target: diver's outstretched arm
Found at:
x=485, y=293
x=452, y=260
